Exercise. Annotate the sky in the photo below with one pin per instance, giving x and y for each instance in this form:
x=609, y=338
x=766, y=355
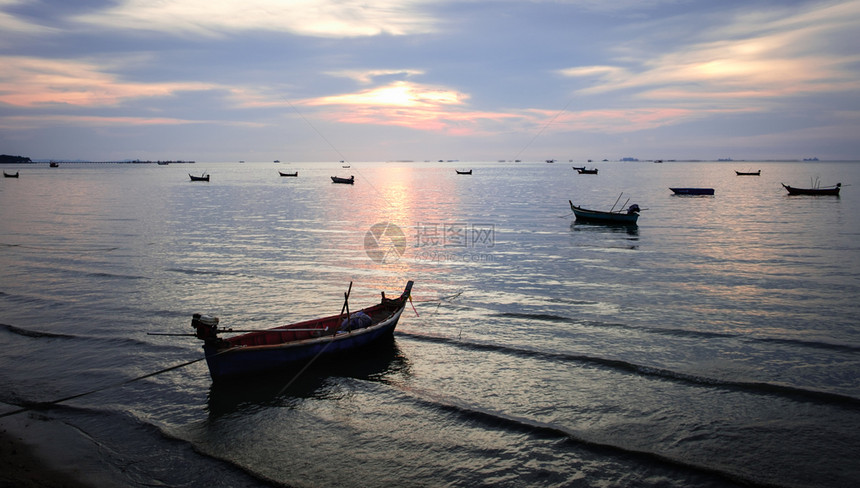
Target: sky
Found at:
x=387, y=80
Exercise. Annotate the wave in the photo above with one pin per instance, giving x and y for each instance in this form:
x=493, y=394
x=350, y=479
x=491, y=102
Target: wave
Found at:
x=683, y=332
x=95, y=341
x=61, y=248
x=546, y=430
x=34, y=333
x=755, y=387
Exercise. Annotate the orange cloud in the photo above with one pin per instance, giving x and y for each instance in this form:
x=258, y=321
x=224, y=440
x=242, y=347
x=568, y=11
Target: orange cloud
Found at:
x=30, y=82
x=407, y=104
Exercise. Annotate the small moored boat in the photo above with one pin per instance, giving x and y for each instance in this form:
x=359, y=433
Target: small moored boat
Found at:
x=693, y=191
x=348, y=181
x=467, y=172
x=288, y=174
x=748, y=173
x=53, y=164
x=300, y=343
x=585, y=171
x=612, y=217
x=827, y=190
x=9, y=175
x=203, y=177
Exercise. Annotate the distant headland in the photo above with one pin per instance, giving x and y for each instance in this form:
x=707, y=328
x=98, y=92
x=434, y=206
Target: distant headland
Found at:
x=6, y=159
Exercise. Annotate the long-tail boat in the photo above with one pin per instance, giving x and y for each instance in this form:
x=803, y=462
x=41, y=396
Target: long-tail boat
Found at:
x=338, y=179
x=612, y=217
x=297, y=344
x=288, y=174
x=692, y=191
x=826, y=190
x=198, y=178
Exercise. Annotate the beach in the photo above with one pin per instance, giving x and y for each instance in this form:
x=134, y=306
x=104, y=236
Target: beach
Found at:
x=23, y=465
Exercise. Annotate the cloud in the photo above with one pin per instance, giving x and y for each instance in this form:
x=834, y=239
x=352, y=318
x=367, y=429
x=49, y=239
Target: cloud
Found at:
x=32, y=82
x=756, y=56
x=317, y=18
x=367, y=76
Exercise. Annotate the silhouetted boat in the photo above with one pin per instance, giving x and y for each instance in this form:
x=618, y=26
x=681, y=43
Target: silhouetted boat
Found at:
x=463, y=172
x=748, y=173
x=584, y=171
x=288, y=174
x=299, y=343
x=578, y=168
x=827, y=190
x=348, y=181
x=693, y=191
x=7, y=175
x=54, y=165
x=198, y=178
x=618, y=217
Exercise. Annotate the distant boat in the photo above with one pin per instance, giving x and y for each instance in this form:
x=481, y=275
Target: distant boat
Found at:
x=241, y=161
x=162, y=163
x=584, y=171
x=827, y=190
x=612, y=217
x=748, y=173
x=550, y=160
x=7, y=175
x=204, y=177
x=658, y=160
x=693, y=191
x=298, y=344
x=277, y=160
x=468, y=172
x=54, y=165
x=348, y=181
x=578, y=168
x=288, y=174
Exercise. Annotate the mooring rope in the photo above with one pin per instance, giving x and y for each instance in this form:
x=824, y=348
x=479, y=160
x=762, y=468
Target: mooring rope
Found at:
x=42, y=405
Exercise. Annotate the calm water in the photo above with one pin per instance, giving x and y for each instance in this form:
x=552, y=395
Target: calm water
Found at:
x=716, y=344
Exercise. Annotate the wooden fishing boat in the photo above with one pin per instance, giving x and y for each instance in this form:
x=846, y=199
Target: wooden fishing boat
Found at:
x=300, y=343
x=578, y=168
x=585, y=171
x=348, y=181
x=52, y=164
x=468, y=172
x=288, y=174
x=8, y=175
x=827, y=190
x=748, y=173
x=198, y=178
x=612, y=217
x=693, y=191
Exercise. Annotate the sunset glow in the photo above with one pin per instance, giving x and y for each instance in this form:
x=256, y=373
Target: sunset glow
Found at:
x=644, y=70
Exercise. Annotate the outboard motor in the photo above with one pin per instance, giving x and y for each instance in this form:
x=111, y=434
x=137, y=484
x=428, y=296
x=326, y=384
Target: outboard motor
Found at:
x=205, y=326
x=632, y=209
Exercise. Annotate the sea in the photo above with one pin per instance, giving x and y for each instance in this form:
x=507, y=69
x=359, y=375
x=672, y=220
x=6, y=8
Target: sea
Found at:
x=714, y=344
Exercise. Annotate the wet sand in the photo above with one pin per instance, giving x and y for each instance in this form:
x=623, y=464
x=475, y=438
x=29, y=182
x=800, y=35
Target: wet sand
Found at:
x=21, y=467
